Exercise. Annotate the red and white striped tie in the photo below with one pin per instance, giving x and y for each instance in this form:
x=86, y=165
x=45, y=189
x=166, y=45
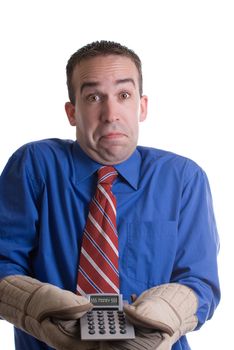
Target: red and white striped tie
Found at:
x=98, y=269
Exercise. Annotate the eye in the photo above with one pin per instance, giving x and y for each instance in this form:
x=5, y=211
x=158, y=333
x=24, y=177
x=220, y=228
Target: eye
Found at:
x=93, y=98
x=124, y=95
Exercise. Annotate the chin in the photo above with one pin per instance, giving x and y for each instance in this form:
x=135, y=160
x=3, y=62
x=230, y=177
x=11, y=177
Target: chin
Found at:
x=116, y=158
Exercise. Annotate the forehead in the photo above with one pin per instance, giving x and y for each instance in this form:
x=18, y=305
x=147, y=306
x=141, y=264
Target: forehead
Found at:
x=102, y=69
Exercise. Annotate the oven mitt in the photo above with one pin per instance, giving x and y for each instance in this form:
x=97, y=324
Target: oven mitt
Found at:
x=168, y=308
x=145, y=339
x=38, y=308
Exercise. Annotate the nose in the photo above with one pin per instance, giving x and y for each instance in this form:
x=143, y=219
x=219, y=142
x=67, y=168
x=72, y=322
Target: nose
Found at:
x=109, y=113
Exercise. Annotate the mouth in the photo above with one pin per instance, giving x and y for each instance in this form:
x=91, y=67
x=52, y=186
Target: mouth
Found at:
x=113, y=136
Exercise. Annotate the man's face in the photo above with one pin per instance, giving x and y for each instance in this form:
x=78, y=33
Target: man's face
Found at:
x=108, y=107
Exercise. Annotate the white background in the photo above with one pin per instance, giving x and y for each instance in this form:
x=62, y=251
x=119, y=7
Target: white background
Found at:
x=187, y=49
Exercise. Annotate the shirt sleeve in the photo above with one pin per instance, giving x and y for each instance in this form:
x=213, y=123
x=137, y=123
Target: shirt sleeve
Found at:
x=18, y=215
x=198, y=245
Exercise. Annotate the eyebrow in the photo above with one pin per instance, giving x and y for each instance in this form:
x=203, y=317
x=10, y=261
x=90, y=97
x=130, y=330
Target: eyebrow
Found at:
x=95, y=84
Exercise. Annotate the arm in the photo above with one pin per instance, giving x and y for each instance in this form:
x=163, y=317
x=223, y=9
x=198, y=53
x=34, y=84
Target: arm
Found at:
x=198, y=244
x=193, y=292
x=46, y=312
x=19, y=203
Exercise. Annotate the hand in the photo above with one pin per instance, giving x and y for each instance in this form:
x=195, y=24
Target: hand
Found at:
x=65, y=335
x=44, y=311
x=169, y=309
x=145, y=339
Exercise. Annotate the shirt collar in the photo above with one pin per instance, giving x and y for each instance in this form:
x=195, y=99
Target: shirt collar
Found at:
x=129, y=169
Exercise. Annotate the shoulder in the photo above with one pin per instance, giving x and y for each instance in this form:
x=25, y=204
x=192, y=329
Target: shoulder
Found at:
x=53, y=145
x=167, y=162
x=39, y=156
x=44, y=148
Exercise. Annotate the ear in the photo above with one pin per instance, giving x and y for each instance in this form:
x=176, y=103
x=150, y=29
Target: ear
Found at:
x=70, y=110
x=143, y=108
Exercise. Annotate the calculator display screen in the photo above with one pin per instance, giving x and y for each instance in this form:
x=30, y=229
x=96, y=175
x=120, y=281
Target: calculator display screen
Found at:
x=103, y=300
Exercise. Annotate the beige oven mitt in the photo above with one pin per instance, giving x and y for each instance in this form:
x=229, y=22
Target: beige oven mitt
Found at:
x=170, y=309
x=42, y=310
x=145, y=339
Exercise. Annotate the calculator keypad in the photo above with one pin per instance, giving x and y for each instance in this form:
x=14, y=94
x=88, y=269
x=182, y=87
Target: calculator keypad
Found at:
x=105, y=325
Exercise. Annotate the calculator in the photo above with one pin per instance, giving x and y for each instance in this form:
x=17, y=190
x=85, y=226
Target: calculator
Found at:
x=106, y=321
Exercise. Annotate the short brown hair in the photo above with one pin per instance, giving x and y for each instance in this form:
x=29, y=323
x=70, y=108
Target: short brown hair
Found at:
x=100, y=48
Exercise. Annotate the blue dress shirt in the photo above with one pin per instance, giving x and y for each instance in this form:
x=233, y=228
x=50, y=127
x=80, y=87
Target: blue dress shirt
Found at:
x=165, y=220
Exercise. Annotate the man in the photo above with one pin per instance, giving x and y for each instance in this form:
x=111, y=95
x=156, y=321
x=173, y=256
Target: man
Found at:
x=167, y=239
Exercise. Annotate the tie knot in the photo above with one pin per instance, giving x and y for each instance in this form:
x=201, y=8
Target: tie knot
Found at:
x=107, y=174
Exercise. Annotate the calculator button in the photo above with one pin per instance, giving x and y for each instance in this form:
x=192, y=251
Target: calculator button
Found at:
x=121, y=317
x=102, y=326
x=102, y=331
x=120, y=313
x=99, y=312
x=112, y=331
x=123, y=331
x=91, y=331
